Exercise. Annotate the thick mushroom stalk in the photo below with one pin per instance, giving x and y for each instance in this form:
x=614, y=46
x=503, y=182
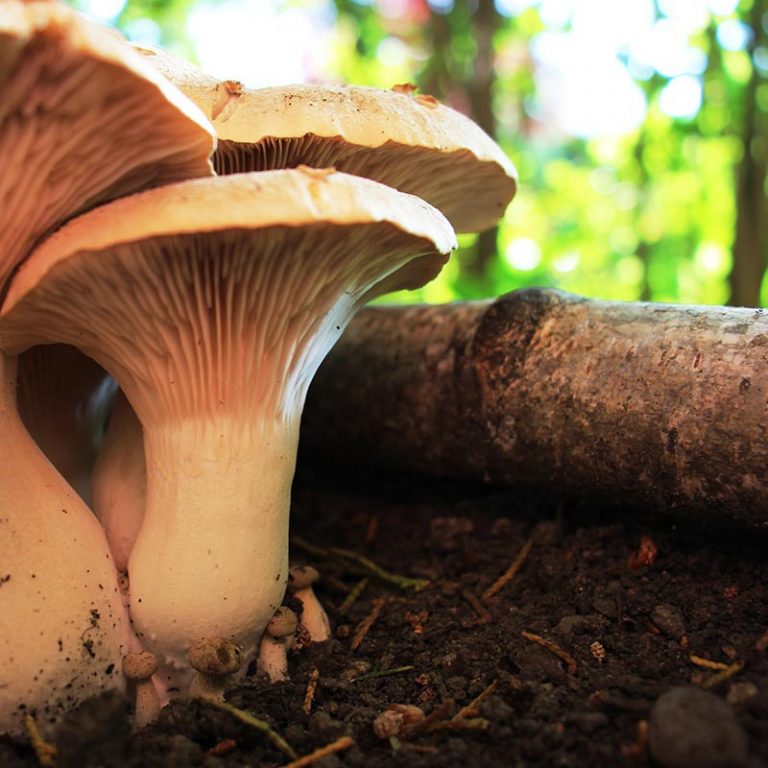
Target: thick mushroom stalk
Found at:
x=212, y=303
x=63, y=629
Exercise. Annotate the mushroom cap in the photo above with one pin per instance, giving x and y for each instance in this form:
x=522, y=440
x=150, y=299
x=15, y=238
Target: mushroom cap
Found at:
x=83, y=119
x=411, y=142
x=215, y=656
x=283, y=623
x=277, y=204
x=302, y=576
x=139, y=665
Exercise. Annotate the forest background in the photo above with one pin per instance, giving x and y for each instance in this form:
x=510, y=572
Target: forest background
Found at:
x=638, y=126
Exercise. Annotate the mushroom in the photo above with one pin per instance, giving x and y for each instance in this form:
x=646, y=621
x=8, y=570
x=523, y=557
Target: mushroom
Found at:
x=313, y=616
x=212, y=303
x=67, y=146
x=398, y=137
x=138, y=668
x=65, y=88
x=214, y=659
x=119, y=481
x=273, y=651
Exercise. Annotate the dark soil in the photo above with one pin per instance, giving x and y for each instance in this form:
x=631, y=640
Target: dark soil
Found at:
x=625, y=621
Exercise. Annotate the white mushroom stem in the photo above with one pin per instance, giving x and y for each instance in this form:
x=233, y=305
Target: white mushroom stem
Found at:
x=240, y=558
x=138, y=667
x=277, y=637
x=63, y=626
x=313, y=616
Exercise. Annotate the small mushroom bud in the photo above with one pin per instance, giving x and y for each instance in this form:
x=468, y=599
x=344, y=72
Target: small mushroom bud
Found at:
x=313, y=617
x=273, y=651
x=138, y=668
x=213, y=659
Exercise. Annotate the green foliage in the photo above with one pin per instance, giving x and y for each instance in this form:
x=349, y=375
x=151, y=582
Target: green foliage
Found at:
x=647, y=215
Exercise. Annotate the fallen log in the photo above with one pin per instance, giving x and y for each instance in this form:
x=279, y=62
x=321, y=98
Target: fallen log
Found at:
x=663, y=406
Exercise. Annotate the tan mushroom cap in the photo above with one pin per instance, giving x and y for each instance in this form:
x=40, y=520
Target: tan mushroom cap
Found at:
x=215, y=656
x=140, y=665
x=83, y=119
x=286, y=198
x=302, y=576
x=283, y=624
x=410, y=142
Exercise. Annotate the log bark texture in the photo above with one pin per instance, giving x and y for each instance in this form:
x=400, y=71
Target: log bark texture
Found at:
x=663, y=406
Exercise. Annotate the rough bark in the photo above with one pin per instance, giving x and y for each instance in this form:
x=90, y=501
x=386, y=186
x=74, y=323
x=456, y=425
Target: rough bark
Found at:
x=662, y=406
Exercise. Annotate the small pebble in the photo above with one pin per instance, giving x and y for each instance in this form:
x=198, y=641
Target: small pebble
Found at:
x=691, y=728
x=669, y=620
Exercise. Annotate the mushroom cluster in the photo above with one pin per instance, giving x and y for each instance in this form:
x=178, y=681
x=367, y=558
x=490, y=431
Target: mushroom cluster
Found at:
x=211, y=299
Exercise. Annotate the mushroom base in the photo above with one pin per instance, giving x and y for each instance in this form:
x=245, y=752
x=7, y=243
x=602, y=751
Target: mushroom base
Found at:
x=211, y=559
x=63, y=627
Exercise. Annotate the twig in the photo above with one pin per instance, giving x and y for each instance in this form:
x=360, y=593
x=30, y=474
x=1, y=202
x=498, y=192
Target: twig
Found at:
x=362, y=628
x=465, y=724
x=707, y=663
x=259, y=725
x=482, y=612
x=723, y=674
x=309, y=696
x=345, y=742
x=352, y=597
x=357, y=563
x=564, y=656
x=762, y=642
x=509, y=574
x=368, y=566
x=45, y=752
x=383, y=673
x=472, y=708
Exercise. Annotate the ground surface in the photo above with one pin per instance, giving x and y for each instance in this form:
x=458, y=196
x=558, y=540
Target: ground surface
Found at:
x=628, y=624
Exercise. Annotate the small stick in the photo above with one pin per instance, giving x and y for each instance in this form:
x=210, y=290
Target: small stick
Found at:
x=259, y=725
x=466, y=724
x=355, y=562
x=352, y=597
x=364, y=626
x=723, y=674
x=45, y=752
x=383, y=673
x=762, y=642
x=706, y=663
x=309, y=696
x=345, y=742
x=509, y=574
x=564, y=656
x=481, y=611
x=472, y=708
x=404, y=582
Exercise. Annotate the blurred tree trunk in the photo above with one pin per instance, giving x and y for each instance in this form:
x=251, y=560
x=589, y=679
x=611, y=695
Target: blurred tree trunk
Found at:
x=751, y=239
x=475, y=86
x=480, y=88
